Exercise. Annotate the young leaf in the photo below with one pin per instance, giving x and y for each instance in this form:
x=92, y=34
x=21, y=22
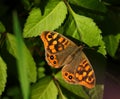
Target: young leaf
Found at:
x=12, y=48
x=44, y=89
x=54, y=15
x=3, y=75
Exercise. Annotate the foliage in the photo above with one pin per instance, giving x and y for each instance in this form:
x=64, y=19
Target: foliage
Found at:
x=24, y=71
x=3, y=75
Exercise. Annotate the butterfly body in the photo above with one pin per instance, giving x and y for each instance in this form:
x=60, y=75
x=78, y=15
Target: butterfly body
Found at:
x=60, y=51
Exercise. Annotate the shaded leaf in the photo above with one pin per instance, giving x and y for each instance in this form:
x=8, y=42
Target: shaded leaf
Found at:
x=14, y=92
x=2, y=28
x=3, y=75
x=44, y=89
x=61, y=96
x=97, y=92
x=112, y=43
x=90, y=4
x=12, y=48
x=54, y=15
x=26, y=4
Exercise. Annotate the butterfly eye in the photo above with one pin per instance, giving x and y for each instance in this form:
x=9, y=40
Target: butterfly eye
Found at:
x=66, y=74
x=70, y=77
x=54, y=62
x=51, y=57
x=49, y=36
x=89, y=78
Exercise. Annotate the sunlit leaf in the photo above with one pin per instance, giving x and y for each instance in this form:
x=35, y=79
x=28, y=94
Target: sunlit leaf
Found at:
x=44, y=89
x=54, y=15
x=85, y=30
x=3, y=75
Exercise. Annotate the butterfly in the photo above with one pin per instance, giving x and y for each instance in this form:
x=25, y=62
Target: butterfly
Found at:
x=62, y=52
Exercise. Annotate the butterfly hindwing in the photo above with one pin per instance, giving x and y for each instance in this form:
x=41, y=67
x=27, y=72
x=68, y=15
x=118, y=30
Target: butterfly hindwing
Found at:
x=84, y=73
x=79, y=70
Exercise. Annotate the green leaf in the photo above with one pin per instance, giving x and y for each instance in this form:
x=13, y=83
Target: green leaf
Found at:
x=26, y=4
x=112, y=43
x=2, y=28
x=85, y=29
x=41, y=71
x=118, y=36
x=97, y=92
x=62, y=96
x=21, y=60
x=90, y=4
x=30, y=64
x=75, y=89
x=14, y=92
x=3, y=75
x=54, y=15
x=44, y=89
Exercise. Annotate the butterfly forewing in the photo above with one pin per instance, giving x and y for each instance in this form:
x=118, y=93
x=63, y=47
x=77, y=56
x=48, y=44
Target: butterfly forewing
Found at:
x=57, y=60
x=56, y=45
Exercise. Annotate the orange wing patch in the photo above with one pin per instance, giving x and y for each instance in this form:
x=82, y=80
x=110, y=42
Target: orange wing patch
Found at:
x=85, y=74
x=54, y=42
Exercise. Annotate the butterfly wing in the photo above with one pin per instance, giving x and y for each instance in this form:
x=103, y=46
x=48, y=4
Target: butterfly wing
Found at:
x=57, y=48
x=79, y=70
